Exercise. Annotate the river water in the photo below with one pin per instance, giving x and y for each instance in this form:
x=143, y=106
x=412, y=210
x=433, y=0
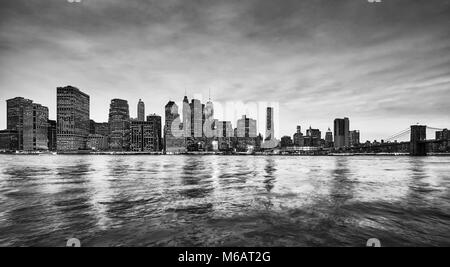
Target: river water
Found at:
x=224, y=200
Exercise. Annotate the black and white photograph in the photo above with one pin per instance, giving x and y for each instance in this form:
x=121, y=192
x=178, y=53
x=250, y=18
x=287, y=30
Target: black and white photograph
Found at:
x=224, y=124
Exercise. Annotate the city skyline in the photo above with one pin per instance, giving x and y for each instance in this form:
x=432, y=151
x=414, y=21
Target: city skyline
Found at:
x=383, y=69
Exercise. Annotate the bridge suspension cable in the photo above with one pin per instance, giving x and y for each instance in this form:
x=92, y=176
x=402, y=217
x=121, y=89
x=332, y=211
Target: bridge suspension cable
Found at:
x=398, y=135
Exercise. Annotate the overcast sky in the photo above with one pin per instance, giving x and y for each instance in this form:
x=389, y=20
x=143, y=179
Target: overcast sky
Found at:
x=385, y=65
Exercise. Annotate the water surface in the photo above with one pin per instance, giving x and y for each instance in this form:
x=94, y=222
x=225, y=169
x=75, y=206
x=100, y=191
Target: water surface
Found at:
x=224, y=200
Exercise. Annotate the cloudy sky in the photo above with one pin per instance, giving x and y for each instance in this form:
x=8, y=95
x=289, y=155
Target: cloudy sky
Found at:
x=385, y=65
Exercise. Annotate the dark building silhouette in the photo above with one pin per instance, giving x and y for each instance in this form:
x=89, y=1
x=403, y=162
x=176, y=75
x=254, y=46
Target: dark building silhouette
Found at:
x=313, y=137
x=9, y=140
x=156, y=124
x=52, y=135
x=141, y=111
x=146, y=135
x=35, y=128
x=299, y=139
x=119, y=124
x=354, y=138
x=329, y=138
x=341, y=133
x=73, y=123
x=443, y=135
x=15, y=111
x=286, y=141
x=270, y=127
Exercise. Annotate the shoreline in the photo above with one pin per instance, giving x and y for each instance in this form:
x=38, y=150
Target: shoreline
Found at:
x=90, y=153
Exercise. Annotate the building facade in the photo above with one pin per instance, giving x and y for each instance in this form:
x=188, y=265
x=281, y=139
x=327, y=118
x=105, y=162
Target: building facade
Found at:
x=329, y=138
x=15, y=111
x=270, y=128
x=341, y=133
x=9, y=140
x=197, y=118
x=141, y=110
x=174, y=141
x=355, y=138
x=119, y=125
x=52, y=133
x=299, y=139
x=73, y=123
x=246, y=127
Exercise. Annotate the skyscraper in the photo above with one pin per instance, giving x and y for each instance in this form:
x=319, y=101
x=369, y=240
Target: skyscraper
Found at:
x=141, y=111
x=187, y=117
x=51, y=134
x=298, y=137
x=73, y=122
x=156, y=131
x=196, y=118
x=15, y=112
x=270, y=128
x=329, y=138
x=173, y=135
x=35, y=128
x=209, y=123
x=341, y=133
x=119, y=124
x=246, y=127
x=354, y=138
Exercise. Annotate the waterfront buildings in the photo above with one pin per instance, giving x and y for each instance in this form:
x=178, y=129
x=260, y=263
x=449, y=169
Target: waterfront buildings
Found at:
x=174, y=141
x=15, y=111
x=298, y=137
x=341, y=133
x=97, y=142
x=246, y=127
x=9, y=140
x=141, y=110
x=51, y=134
x=329, y=138
x=313, y=137
x=354, y=138
x=270, y=128
x=73, y=123
x=146, y=135
x=119, y=125
x=197, y=118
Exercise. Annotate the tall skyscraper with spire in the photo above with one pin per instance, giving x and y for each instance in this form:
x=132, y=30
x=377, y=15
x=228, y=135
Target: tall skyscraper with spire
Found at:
x=186, y=118
x=209, y=123
x=141, y=111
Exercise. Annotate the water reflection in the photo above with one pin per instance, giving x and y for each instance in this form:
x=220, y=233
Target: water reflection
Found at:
x=215, y=201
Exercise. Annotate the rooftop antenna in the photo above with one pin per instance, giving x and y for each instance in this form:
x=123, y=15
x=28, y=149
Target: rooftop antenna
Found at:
x=209, y=94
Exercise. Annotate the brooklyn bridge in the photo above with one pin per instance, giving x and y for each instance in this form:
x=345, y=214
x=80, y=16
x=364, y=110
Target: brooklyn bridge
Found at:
x=418, y=144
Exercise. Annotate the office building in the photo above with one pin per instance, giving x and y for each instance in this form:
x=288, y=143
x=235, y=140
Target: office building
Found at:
x=173, y=133
x=119, y=125
x=156, y=130
x=15, y=111
x=246, y=127
x=197, y=118
x=51, y=134
x=329, y=138
x=341, y=133
x=97, y=142
x=354, y=138
x=73, y=123
x=224, y=129
x=187, y=117
x=9, y=140
x=141, y=110
x=209, y=127
x=270, y=127
x=298, y=137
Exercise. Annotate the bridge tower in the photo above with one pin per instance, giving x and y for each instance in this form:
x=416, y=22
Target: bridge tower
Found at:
x=418, y=146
